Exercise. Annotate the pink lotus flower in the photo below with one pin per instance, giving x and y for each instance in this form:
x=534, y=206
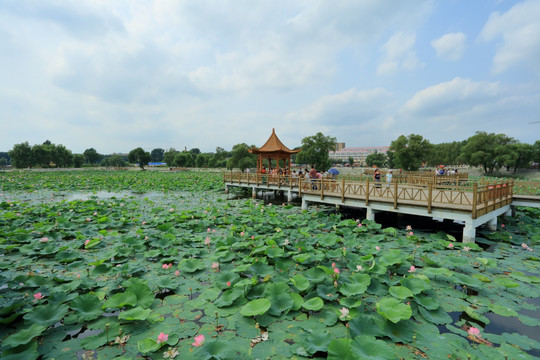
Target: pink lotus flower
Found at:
x=199, y=340
x=144, y=223
x=166, y=266
x=177, y=273
x=412, y=269
x=207, y=241
x=333, y=265
x=474, y=331
x=408, y=228
x=359, y=268
x=215, y=265
x=377, y=248
x=466, y=248
x=450, y=246
x=336, y=270
x=86, y=242
x=95, y=213
x=252, y=237
x=228, y=283
x=502, y=225
x=38, y=296
x=44, y=239
x=162, y=338
x=410, y=233
x=344, y=313
x=242, y=233
x=523, y=245
x=208, y=230
x=171, y=210
x=360, y=225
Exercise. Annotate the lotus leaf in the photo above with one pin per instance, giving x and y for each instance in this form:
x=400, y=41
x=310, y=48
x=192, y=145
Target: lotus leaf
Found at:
x=358, y=284
x=88, y=306
x=393, y=310
x=23, y=336
x=300, y=282
x=340, y=349
x=400, y=292
x=119, y=300
x=27, y=351
x=137, y=313
x=313, y=304
x=47, y=315
x=148, y=345
x=256, y=307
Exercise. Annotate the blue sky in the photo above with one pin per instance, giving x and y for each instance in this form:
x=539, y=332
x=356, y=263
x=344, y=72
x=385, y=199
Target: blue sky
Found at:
x=116, y=75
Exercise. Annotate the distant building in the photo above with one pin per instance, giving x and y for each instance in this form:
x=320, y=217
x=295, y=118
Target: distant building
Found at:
x=358, y=154
x=340, y=146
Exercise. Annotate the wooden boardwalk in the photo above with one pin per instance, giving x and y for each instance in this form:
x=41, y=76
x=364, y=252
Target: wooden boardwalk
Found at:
x=473, y=203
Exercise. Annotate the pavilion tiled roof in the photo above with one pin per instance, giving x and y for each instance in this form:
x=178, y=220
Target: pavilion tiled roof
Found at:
x=273, y=145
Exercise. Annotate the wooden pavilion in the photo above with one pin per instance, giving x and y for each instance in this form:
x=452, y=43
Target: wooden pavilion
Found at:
x=273, y=149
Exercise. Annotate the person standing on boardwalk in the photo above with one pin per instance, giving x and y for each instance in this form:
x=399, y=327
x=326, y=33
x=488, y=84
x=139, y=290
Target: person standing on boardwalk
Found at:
x=314, y=176
x=377, y=177
x=389, y=177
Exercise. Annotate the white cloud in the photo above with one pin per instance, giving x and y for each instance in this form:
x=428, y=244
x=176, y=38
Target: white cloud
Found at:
x=451, y=97
x=450, y=46
x=518, y=32
x=399, y=54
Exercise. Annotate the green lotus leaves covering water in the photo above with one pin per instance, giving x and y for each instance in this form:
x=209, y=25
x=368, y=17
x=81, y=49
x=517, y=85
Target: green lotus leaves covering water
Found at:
x=126, y=265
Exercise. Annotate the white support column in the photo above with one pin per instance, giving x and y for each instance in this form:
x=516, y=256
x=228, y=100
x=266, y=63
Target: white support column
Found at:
x=226, y=189
x=370, y=214
x=289, y=195
x=254, y=192
x=492, y=224
x=304, y=204
x=469, y=232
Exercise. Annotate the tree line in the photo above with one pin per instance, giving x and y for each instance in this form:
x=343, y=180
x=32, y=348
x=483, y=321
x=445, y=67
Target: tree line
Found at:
x=487, y=150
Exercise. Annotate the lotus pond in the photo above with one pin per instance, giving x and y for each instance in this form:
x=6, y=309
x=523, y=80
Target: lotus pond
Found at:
x=131, y=265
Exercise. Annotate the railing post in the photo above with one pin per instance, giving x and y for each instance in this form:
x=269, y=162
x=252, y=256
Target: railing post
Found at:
x=343, y=190
x=321, y=184
x=475, y=199
x=395, y=195
x=367, y=191
x=430, y=197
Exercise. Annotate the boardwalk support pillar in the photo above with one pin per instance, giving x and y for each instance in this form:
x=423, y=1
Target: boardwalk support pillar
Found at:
x=492, y=224
x=469, y=232
x=226, y=189
x=254, y=192
x=370, y=214
x=304, y=204
x=289, y=195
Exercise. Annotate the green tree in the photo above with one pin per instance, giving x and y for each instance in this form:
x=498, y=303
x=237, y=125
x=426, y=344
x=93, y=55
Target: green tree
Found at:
x=92, y=156
x=241, y=158
x=3, y=161
x=78, y=160
x=114, y=161
x=351, y=161
x=184, y=159
x=43, y=154
x=62, y=157
x=377, y=159
x=168, y=156
x=157, y=155
x=522, y=156
x=536, y=151
x=410, y=152
x=202, y=160
x=315, y=151
x=490, y=151
x=139, y=156
x=219, y=158
x=446, y=153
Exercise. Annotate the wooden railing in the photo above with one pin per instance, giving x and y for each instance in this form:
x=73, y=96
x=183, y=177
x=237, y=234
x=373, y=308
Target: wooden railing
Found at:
x=476, y=198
